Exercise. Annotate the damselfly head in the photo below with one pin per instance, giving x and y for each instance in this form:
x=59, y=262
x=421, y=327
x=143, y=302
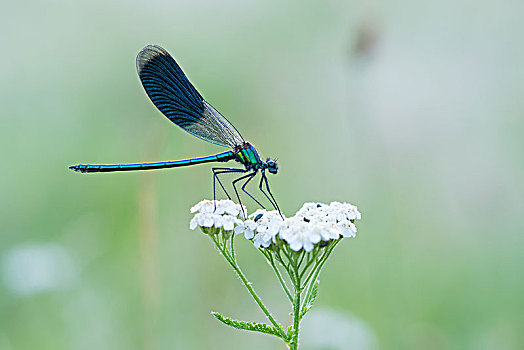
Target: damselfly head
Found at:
x=272, y=166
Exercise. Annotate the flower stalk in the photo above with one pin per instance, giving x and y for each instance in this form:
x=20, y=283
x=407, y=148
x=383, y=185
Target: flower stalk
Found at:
x=229, y=255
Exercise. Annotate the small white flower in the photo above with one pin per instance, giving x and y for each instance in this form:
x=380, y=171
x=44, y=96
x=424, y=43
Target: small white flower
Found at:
x=217, y=207
x=345, y=211
x=308, y=206
x=267, y=227
x=229, y=222
x=301, y=234
x=247, y=227
x=202, y=220
x=193, y=223
x=219, y=214
x=262, y=239
x=347, y=229
x=200, y=205
x=329, y=231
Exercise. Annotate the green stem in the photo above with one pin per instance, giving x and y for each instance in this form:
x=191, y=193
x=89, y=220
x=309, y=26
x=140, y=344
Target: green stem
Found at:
x=233, y=247
x=296, y=310
x=309, y=262
x=271, y=261
x=316, y=270
x=322, y=259
x=288, y=267
x=247, y=284
x=302, y=255
x=287, y=254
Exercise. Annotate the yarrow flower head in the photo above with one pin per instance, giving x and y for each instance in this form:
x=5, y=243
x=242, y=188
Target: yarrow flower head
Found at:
x=217, y=207
x=313, y=225
x=216, y=214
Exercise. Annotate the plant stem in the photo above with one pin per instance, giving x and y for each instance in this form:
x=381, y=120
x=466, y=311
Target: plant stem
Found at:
x=308, y=264
x=316, y=269
x=310, y=260
x=233, y=247
x=250, y=289
x=296, y=321
x=296, y=311
x=271, y=260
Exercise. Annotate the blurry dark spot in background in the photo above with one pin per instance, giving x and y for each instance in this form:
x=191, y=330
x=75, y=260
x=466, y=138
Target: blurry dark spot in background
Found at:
x=364, y=38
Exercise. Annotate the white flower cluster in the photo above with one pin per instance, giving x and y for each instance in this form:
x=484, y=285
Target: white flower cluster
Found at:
x=313, y=223
x=221, y=213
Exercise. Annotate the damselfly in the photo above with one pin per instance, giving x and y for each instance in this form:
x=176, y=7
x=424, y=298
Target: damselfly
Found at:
x=174, y=95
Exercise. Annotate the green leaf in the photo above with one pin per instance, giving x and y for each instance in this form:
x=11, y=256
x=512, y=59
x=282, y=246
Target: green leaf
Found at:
x=290, y=332
x=311, y=297
x=247, y=326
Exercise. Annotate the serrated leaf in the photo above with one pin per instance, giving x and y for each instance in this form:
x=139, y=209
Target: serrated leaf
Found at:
x=290, y=332
x=308, y=304
x=314, y=292
x=247, y=326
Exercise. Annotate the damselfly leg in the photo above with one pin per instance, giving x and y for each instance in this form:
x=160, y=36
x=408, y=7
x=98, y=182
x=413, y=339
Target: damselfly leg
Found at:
x=238, y=197
x=218, y=171
x=249, y=194
x=272, y=200
x=263, y=180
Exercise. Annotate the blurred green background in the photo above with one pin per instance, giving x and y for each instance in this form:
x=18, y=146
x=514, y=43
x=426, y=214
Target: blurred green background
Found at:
x=412, y=110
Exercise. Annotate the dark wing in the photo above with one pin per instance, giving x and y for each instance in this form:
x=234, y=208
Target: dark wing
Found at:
x=173, y=94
